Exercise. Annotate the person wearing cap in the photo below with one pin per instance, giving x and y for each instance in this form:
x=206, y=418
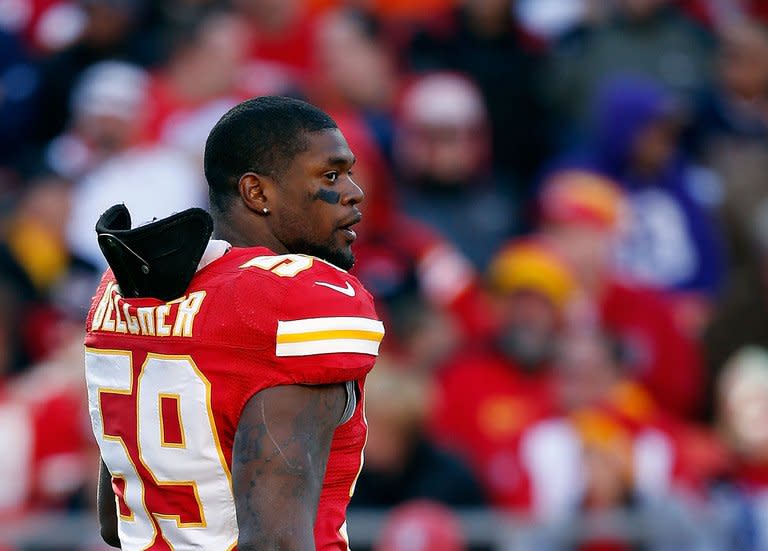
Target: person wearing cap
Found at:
x=671, y=240
x=581, y=216
x=487, y=41
x=443, y=165
x=607, y=449
x=152, y=180
x=107, y=107
x=489, y=394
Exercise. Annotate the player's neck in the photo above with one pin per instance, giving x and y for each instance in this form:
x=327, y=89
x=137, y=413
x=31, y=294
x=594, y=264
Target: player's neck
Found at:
x=254, y=236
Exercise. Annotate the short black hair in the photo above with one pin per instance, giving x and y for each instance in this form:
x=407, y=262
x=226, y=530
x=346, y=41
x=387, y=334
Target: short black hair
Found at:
x=260, y=135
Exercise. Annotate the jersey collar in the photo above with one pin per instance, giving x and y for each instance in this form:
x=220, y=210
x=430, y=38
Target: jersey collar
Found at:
x=215, y=249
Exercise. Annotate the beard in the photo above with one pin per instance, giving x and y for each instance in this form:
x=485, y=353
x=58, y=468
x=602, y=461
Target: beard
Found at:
x=528, y=350
x=341, y=257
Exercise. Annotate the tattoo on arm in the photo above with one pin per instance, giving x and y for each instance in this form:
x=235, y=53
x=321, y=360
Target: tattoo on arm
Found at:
x=107, y=507
x=279, y=457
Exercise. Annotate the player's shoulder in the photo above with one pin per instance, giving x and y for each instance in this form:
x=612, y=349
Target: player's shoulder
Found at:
x=298, y=278
x=291, y=296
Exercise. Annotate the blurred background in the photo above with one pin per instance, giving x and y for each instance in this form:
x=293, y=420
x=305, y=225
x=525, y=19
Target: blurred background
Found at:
x=566, y=231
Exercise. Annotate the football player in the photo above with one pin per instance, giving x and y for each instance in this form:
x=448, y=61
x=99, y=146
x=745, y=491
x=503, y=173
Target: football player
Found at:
x=225, y=376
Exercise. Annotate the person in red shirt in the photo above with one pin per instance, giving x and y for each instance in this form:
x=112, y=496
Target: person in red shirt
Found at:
x=490, y=393
x=43, y=436
x=225, y=377
x=581, y=216
x=282, y=34
x=203, y=78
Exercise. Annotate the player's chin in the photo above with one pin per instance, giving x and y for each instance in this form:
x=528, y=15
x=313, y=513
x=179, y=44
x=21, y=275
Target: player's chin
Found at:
x=342, y=257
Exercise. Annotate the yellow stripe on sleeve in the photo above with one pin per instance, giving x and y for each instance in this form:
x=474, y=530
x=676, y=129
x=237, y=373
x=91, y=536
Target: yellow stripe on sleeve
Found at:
x=326, y=335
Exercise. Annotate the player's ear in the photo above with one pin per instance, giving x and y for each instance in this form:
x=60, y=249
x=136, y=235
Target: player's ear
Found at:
x=255, y=191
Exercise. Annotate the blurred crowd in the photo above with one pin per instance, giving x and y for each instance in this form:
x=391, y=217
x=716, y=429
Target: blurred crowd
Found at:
x=565, y=229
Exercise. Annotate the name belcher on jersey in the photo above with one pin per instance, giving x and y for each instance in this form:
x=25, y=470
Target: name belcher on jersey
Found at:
x=176, y=318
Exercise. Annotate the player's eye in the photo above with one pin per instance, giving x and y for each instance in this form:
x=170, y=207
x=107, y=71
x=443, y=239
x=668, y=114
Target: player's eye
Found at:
x=331, y=176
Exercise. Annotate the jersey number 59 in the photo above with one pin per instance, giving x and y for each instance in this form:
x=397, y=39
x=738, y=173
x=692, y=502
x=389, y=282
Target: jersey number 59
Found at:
x=158, y=438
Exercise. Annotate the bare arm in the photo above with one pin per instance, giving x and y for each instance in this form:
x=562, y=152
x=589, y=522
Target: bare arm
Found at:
x=278, y=464
x=107, y=508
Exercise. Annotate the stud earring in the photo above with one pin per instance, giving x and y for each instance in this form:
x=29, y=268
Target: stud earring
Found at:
x=265, y=210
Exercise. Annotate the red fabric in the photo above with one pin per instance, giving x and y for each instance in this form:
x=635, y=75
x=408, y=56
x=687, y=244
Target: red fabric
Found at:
x=662, y=357
x=169, y=413
x=758, y=9
x=484, y=404
x=421, y=526
x=292, y=47
x=234, y=346
x=165, y=108
x=46, y=461
x=753, y=476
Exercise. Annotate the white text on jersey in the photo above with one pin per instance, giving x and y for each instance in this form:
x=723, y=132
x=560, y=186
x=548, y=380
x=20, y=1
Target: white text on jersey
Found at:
x=172, y=319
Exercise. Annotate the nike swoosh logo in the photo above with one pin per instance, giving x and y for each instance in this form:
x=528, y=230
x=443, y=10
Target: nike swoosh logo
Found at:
x=348, y=290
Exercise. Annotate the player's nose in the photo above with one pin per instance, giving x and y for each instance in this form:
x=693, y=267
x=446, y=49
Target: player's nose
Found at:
x=353, y=194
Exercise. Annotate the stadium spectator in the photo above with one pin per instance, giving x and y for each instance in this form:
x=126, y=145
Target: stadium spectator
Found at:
x=490, y=393
x=402, y=464
x=355, y=71
x=606, y=457
x=649, y=37
x=742, y=393
x=588, y=373
x=611, y=447
x=481, y=39
x=444, y=170
x=151, y=180
x=741, y=316
x=581, y=216
x=107, y=114
x=281, y=35
x=201, y=81
x=37, y=269
x=730, y=132
x=112, y=30
x=43, y=436
x=670, y=240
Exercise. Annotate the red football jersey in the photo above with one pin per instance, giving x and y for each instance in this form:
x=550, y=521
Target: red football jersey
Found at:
x=167, y=383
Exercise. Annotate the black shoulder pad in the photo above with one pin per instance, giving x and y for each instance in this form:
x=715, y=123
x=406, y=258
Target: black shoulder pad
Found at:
x=157, y=259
